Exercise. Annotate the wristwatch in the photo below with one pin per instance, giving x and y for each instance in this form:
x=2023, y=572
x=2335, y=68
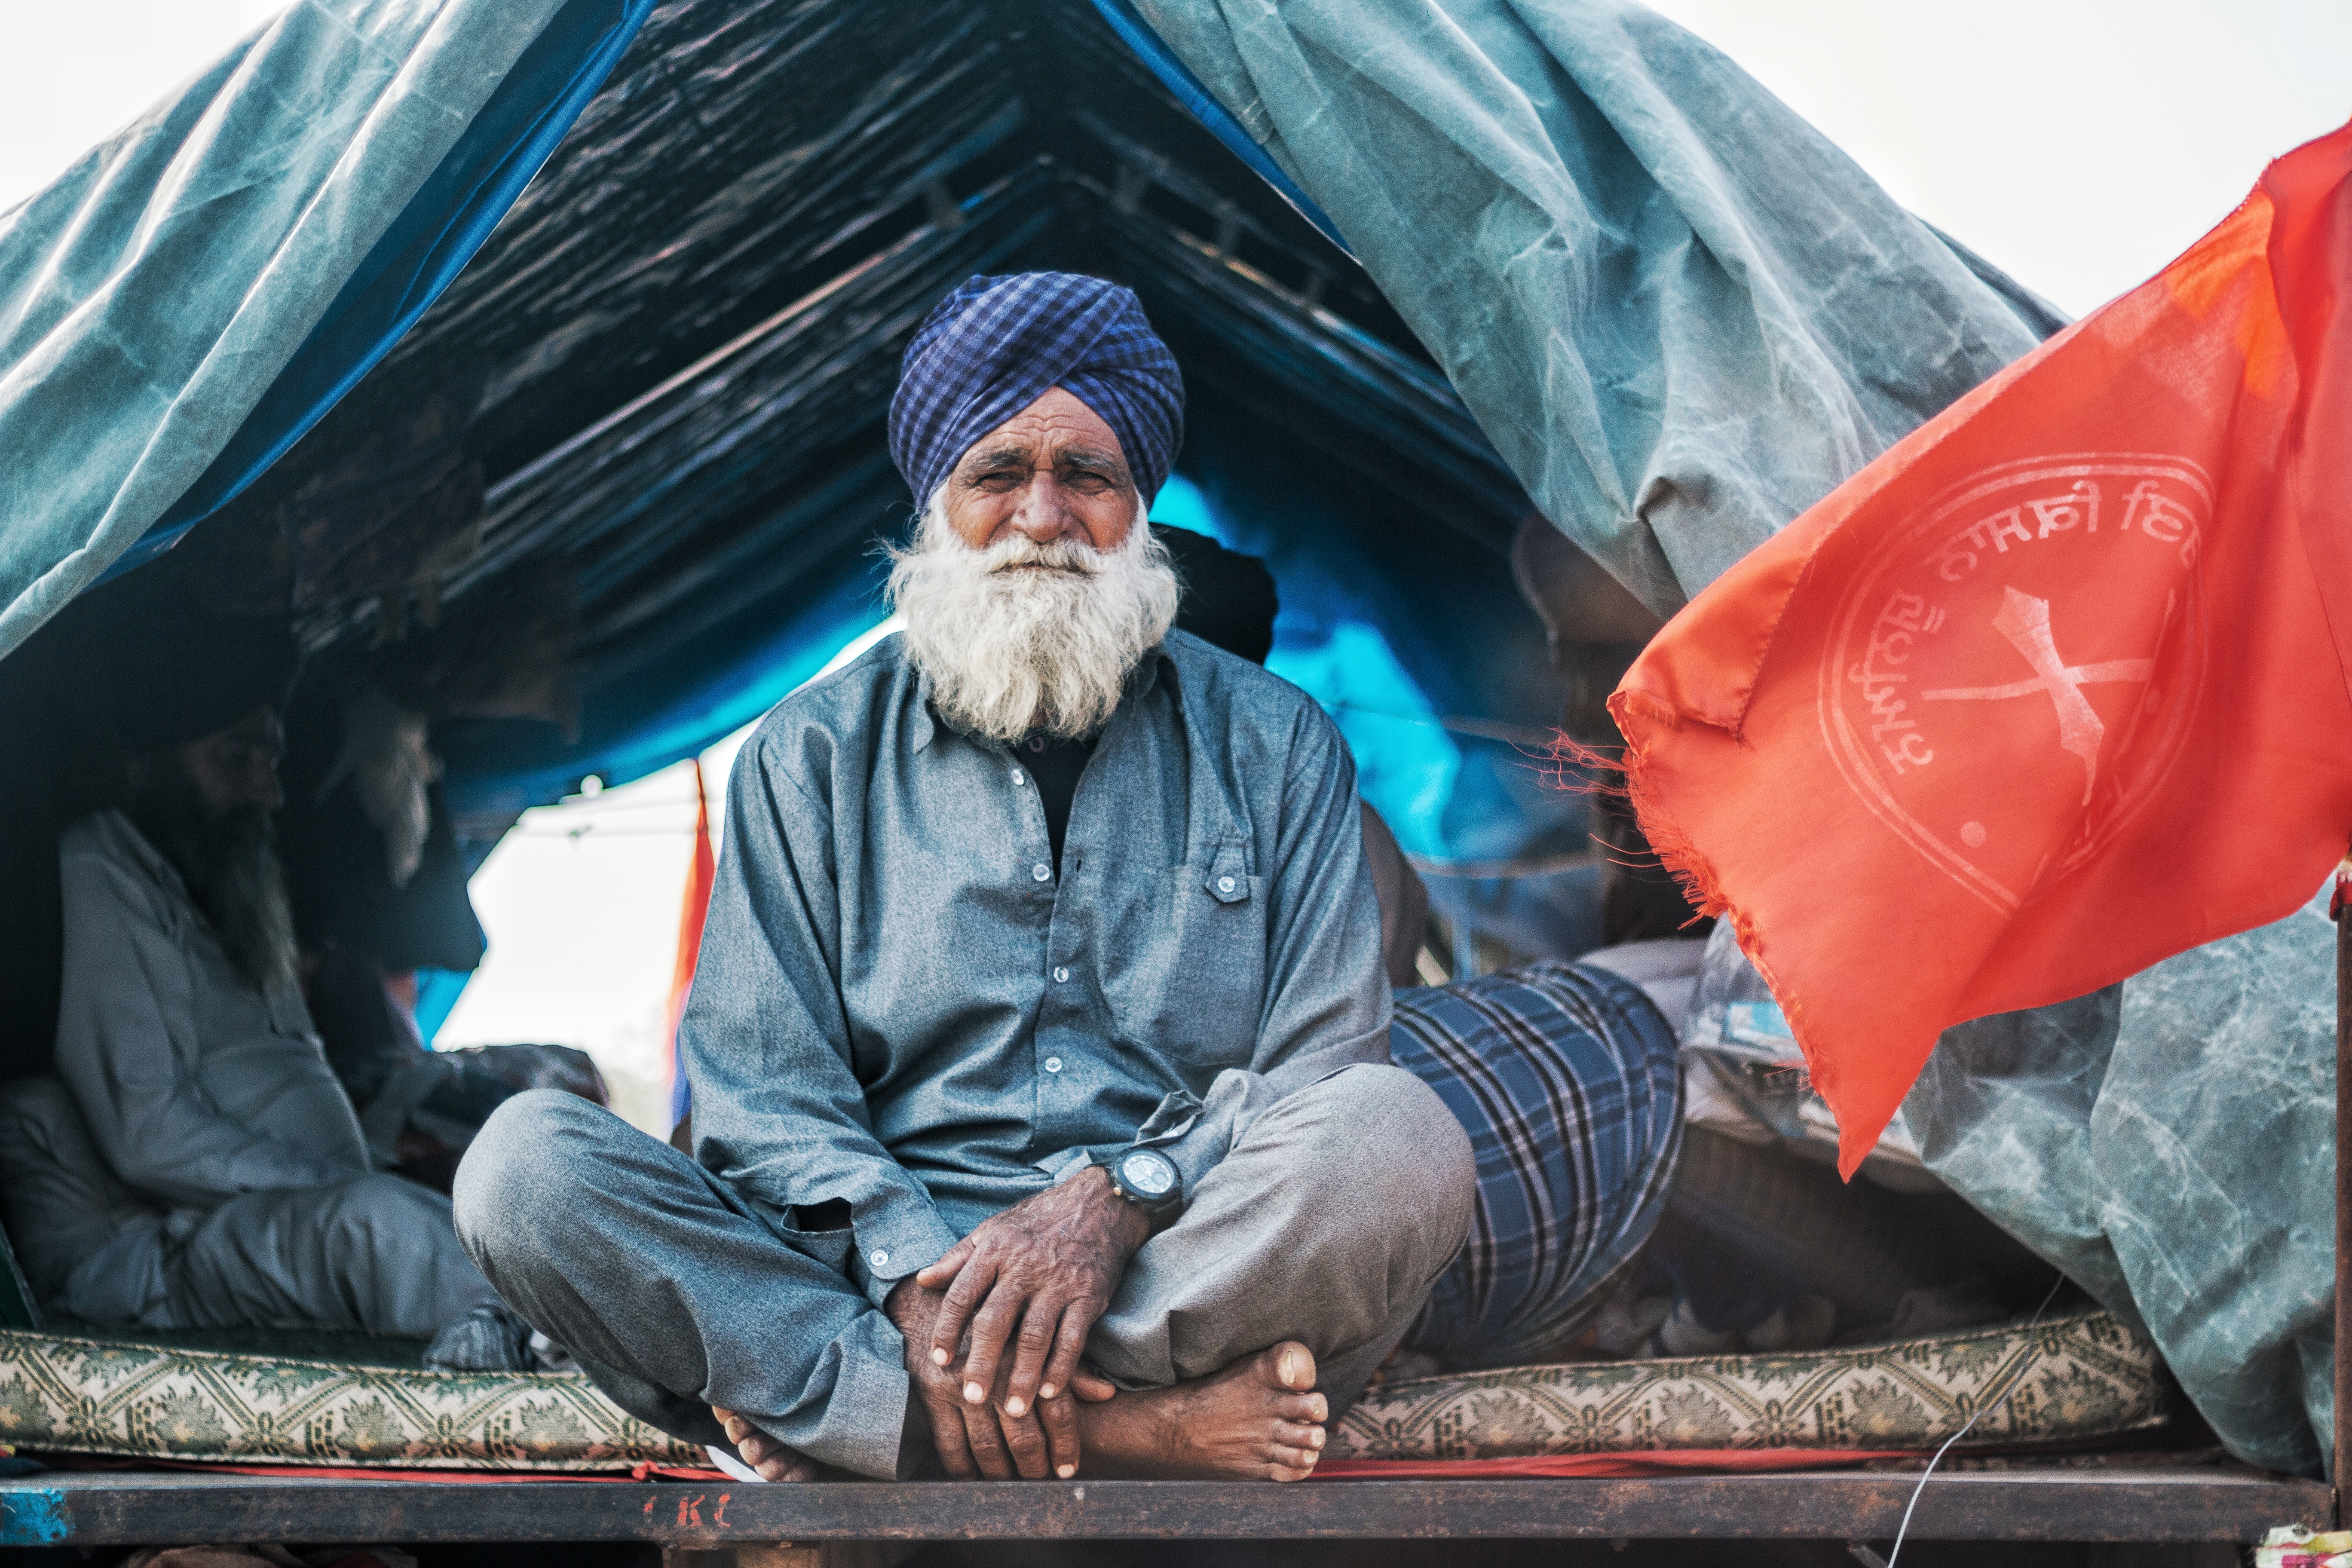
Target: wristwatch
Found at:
x=1148, y=1179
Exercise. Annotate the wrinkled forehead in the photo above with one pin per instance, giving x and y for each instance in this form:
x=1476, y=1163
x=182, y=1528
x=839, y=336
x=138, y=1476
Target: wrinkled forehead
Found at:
x=1057, y=430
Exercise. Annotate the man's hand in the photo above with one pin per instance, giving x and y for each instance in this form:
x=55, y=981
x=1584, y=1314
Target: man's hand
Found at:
x=1045, y=1269
x=984, y=1439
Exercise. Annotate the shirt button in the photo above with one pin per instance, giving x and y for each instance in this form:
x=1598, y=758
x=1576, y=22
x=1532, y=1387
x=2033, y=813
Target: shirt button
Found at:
x=1053, y=1064
x=1060, y=976
x=1017, y=776
x=881, y=1260
x=1225, y=884
x=1042, y=871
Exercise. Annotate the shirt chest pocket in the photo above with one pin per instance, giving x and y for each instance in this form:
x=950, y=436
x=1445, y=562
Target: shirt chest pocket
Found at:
x=1213, y=917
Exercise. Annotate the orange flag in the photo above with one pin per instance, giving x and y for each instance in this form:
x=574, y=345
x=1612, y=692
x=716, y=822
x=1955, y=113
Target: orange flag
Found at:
x=691, y=914
x=2052, y=689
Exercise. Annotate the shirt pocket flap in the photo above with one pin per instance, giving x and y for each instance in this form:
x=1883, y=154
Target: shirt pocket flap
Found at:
x=1228, y=880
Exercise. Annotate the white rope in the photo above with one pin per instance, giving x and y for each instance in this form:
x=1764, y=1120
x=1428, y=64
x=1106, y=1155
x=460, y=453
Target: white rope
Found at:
x=2014, y=1379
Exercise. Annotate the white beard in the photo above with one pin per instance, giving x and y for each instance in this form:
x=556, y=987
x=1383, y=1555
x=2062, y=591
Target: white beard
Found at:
x=1009, y=651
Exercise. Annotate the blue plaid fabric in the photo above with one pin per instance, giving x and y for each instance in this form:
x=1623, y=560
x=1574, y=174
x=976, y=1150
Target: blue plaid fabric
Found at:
x=1567, y=1082
x=995, y=345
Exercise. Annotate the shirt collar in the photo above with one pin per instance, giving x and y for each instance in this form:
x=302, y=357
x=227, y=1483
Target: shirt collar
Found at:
x=1140, y=680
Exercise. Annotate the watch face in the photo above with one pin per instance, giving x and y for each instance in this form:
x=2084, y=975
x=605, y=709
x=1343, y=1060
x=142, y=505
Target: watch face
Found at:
x=1147, y=1174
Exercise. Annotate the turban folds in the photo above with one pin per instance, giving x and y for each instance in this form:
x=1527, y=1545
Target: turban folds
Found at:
x=995, y=345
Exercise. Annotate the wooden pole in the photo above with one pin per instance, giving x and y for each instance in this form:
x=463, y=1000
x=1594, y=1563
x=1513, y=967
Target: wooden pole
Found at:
x=2342, y=1467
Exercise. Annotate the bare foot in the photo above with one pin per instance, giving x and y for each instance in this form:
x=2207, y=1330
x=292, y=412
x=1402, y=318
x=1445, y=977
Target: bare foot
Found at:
x=772, y=1460
x=1259, y=1419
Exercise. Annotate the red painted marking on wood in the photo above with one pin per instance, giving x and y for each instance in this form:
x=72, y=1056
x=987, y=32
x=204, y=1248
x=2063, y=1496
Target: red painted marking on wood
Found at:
x=719, y=1514
x=649, y=1504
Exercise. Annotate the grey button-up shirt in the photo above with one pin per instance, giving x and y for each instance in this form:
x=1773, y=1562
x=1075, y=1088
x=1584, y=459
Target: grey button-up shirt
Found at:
x=901, y=1006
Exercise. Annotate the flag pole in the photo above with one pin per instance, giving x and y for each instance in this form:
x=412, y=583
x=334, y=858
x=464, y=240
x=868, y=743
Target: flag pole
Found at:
x=2342, y=1467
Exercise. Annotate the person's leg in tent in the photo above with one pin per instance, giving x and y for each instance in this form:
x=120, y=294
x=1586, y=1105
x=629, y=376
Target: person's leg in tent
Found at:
x=374, y=1253
x=1320, y=1230
x=1565, y=1077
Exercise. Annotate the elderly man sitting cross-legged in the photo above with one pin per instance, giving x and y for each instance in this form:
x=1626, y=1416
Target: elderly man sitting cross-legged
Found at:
x=1042, y=1107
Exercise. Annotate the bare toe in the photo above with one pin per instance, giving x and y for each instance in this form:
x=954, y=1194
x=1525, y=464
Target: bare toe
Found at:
x=1289, y=1365
x=1294, y=1458
x=1307, y=1409
x=1286, y=1473
x=1296, y=1436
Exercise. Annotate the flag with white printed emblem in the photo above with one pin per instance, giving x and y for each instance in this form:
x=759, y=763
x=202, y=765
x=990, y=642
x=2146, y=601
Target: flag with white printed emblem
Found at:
x=2055, y=689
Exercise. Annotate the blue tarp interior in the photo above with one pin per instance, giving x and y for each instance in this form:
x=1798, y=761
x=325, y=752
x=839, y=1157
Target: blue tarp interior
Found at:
x=686, y=330
x=178, y=306
x=427, y=245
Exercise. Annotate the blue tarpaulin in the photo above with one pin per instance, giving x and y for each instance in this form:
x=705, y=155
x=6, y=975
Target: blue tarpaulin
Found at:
x=1679, y=312
x=189, y=299
x=1683, y=316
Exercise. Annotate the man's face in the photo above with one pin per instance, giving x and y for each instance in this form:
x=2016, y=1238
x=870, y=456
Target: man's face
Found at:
x=1029, y=592
x=238, y=767
x=1052, y=471
x=208, y=806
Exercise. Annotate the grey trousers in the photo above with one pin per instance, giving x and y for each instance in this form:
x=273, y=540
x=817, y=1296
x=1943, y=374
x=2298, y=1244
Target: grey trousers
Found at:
x=1327, y=1222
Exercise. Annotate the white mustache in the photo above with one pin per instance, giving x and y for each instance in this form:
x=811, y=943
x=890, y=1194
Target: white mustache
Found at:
x=1017, y=550
x=1021, y=634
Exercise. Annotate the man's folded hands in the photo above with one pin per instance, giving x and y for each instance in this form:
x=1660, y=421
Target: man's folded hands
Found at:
x=1031, y=1282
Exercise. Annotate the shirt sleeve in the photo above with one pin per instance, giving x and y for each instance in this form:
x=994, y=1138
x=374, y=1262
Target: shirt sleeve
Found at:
x=127, y=1050
x=1326, y=995
x=779, y=1110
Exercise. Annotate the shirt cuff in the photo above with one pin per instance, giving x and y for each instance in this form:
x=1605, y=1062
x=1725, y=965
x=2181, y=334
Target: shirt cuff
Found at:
x=1061, y=1167
x=898, y=1234
x=1198, y=1134
x=1191, y=1134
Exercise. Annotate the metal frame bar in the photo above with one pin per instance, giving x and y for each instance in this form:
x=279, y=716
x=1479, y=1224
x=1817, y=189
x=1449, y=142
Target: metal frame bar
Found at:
x=2056, y=1503
x=2342, y=1454
x=2208, y=1504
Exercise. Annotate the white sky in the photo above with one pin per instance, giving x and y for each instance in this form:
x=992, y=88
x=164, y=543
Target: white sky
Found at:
x=73, y=72
x=2080, y=144
x=580, y=903
x=2077, y=145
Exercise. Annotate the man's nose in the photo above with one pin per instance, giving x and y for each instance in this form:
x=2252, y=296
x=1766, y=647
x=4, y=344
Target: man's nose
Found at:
x=1043, y=514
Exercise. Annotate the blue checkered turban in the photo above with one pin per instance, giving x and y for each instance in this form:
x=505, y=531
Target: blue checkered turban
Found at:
x=997, y=344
